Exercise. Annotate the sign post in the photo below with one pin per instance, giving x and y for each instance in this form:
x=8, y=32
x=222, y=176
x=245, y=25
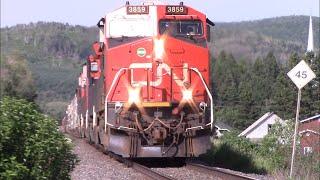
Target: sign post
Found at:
x=301, y=75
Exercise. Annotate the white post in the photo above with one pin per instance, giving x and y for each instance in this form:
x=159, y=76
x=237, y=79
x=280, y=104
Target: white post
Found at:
x=87, y=119
x=94, y=117
x=295, y=134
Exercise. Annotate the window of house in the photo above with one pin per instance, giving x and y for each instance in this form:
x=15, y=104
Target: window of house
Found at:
x=269, y=127
x=307, y=150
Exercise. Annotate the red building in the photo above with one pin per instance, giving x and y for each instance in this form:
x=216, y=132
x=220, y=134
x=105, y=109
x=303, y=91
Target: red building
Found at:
x=309, y=132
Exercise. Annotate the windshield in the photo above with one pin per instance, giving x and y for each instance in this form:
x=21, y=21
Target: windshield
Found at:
x=130, y=27
x=181, y=27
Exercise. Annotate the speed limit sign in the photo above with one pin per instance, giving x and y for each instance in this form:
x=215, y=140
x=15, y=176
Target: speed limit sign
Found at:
x=301, y=74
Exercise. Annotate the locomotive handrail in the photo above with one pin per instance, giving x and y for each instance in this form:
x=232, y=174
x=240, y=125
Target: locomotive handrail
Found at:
x=115, y=79
x=196, y=127
x=209, y=94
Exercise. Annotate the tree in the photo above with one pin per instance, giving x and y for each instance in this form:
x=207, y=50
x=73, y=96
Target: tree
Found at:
x=316, y=85
x=293, y=61
x=226, y=78
x=16, y=77
x=264, y=75
x=247, y=109
x=31, y=147
x=284, y=97
x=276, y=146
x=310, y=100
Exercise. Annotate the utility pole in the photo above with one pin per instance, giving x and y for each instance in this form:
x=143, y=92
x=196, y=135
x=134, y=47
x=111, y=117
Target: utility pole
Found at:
x=295, y=132
x=301, y=75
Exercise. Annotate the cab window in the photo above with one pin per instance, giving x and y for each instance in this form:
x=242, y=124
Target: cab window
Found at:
x=190, y=31
x=181, y=27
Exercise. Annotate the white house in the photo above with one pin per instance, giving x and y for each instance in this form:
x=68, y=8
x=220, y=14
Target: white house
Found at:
x=261, y=127
x=221, y=128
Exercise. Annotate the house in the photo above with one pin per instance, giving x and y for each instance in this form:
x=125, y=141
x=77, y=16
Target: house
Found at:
x=309, y=131
x=261, y=127
x=221, y=128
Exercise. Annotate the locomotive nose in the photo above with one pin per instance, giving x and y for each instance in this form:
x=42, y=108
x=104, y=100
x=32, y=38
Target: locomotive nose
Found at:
x=158, y=48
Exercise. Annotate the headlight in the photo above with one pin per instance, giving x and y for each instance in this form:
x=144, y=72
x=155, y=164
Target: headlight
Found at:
x=158, y=48
x=134, y=96
x=187, y=95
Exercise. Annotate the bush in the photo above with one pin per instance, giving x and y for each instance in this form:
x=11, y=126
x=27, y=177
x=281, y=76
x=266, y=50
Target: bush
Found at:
x=31, y=147
x=275, y=148
x=235, y=153
x=271, y=155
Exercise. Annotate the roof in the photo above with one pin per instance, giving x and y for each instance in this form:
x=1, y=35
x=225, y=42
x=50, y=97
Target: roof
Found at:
x=308, y=130
x=311, y=118
x=265, y=117
x=222, y=126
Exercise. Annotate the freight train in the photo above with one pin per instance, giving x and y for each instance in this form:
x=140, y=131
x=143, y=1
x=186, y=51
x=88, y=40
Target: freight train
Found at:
x=144, y=91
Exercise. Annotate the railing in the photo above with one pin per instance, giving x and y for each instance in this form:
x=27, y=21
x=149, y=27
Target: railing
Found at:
x=209, y=94
x=115, y=79
x=118, y=75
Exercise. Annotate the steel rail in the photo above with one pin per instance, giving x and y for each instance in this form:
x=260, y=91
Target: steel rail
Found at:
x=222, y=173
x=136, y=166
x=149, y=172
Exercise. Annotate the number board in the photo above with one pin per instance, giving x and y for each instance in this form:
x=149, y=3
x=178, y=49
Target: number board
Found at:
x=301, y=74
x=137, y=10
x=176, y=10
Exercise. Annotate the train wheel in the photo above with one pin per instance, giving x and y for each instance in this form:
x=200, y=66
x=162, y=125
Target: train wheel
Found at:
x=91, y=135
x=105, y=137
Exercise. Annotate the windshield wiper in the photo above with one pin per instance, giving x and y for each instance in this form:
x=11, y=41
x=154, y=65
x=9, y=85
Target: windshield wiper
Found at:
x=188, y=36
x=123, y=38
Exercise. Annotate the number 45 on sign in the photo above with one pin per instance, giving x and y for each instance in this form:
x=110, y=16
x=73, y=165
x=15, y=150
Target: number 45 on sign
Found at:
x=301, y=74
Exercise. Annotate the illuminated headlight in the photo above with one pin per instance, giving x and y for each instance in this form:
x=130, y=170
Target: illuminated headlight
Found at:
x=187, y=95
x=134, y=96
x=158, y=48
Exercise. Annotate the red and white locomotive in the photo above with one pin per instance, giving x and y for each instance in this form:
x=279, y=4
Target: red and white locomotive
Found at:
x=144, y=91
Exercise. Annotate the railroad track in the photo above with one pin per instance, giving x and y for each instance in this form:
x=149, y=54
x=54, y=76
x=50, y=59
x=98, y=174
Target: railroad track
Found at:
x=136, y=166
x=153, y=174
x=217, y=172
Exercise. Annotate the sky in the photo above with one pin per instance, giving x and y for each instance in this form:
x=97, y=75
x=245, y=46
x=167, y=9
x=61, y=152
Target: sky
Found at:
x=88, y=12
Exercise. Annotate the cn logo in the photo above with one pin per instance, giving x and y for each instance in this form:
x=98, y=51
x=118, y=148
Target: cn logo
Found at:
x=162, y=70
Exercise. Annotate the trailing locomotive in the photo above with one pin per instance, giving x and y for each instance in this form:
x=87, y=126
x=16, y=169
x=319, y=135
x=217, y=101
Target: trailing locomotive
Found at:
x=144, y=91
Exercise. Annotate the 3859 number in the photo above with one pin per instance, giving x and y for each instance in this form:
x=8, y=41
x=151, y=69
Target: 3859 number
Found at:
x=176, y=10
x=137, y=9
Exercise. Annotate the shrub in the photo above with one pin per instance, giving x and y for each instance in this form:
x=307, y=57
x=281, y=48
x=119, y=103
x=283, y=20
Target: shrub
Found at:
x=31, y=147
x=235, y=153
x=275, y=148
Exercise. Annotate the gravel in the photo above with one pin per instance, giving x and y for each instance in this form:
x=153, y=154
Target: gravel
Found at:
x=183, y=173
x=96, y=165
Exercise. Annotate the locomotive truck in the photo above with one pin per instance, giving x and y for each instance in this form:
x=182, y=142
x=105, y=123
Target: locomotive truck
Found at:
x=144, y=91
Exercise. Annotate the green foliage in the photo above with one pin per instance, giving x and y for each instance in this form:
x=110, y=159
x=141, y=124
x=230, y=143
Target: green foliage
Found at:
x=310, y=100
x=53, y=53
x=253, y=39
x=267, y=156
x=16, y=78
x=31, y=147
x=276, y=146
x=307, y=167
x=283, y=96
x=235, y=153
x=243, y=92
